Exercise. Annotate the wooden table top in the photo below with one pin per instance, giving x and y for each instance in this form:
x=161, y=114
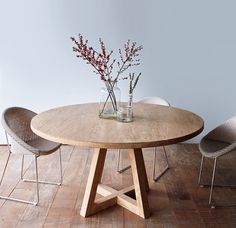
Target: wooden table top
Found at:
x=153, y=125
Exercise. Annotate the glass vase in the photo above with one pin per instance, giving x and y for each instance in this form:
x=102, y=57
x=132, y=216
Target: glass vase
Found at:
x=125, y=112
x=109, y=100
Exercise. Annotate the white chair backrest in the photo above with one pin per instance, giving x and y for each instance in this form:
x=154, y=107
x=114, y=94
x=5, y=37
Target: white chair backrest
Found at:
x=154, y=100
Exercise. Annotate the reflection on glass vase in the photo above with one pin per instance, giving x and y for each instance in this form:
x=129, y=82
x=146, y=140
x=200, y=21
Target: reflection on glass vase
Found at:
x=109, y=100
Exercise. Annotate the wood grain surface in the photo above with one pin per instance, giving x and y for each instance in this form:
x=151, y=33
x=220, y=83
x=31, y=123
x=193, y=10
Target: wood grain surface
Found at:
x=153, y=125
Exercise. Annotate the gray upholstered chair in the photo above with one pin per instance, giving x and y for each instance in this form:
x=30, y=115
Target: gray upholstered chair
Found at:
x=157, y=101
x=16, y=122
x=217, y=143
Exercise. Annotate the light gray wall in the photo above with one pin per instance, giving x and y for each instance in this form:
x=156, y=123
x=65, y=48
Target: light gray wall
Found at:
x=188, y=58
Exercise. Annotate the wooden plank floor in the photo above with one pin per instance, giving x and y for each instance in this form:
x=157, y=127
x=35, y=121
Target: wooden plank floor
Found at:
x=175, y=200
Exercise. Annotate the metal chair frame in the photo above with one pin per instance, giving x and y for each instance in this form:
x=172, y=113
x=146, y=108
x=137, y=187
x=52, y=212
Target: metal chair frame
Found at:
x=212, y=180
x=155, y=177
x=37, y=181
x=212, y=185
x=217, y=143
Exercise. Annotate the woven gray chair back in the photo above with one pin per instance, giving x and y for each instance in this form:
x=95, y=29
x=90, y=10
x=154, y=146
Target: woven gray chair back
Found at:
x=226, y=132
x=16, y=122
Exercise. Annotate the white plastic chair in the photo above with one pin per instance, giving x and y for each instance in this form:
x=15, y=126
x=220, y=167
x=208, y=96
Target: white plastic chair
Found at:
x=16, y=122
x=157, y=101
x=217, y=143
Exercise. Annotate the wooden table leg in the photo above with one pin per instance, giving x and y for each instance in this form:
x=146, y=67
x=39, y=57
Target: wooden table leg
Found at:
x=140, y=181
x=142, y=167
x=95, y=174
x=111, y=196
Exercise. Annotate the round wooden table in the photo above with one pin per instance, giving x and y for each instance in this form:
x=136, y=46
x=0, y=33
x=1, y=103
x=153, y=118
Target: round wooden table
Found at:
x=153, y=125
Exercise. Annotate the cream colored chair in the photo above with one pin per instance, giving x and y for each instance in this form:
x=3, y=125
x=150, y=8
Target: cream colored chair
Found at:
x=217, y=143
x=16, y=122
x=157, y=101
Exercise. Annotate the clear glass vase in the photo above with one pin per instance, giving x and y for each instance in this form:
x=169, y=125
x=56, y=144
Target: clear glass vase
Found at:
x=125, y=112
x=109, y=100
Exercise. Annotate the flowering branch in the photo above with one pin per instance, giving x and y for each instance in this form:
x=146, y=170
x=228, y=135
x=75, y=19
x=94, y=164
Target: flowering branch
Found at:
x=101, y=61
x=128, y=59
x=103, y=64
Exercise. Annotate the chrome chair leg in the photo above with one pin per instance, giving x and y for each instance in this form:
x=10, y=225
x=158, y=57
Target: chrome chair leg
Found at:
x=15, y=199
x=200, y=171
x=4, y=170
x=167, y=161
x=118, y=169
x=156, y=178
x=154, y=163
x=9, y=154
x=37, y=179
x=5, y=167
x=49, y=182
x=60, y=161
x=212, y=183
x=22, y=167
x=209, y=185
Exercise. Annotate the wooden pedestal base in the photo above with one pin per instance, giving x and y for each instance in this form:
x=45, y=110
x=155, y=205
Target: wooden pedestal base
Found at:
x=111, y=196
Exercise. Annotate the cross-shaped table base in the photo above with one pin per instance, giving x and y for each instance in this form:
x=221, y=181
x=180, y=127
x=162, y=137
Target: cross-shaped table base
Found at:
x=111, y=196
